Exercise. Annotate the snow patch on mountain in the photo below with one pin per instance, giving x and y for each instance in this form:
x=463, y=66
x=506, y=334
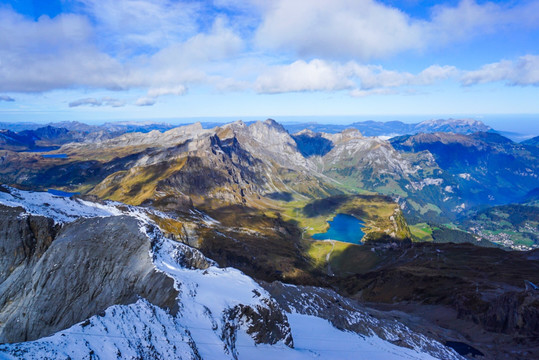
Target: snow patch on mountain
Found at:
x=61, y=209
x=419, y=185
x=223, y=314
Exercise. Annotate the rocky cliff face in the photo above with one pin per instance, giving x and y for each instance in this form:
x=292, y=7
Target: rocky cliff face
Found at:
x=56, y=280
x=482, y=168
x=111, y=285
x=22, y=239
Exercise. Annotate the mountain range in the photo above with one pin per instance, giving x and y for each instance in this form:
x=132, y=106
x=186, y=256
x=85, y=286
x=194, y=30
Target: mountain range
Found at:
x=393, y=128
x=250, y=196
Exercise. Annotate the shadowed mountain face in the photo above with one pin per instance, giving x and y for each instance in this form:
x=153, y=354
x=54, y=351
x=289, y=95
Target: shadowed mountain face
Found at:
x=10, y=140
x=310, y=144
x=486, y=167
x=477, y=292
x=531, y=142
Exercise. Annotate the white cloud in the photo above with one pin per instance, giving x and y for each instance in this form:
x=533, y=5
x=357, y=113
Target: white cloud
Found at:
x=145, y=101
x=469, y=19
x=219, y=43
x=367, y=29
x=104, y=101
x=129, y=26
x=364, y=93
x=61, y=53
x=338, y=29
x=168, y=90
x=377, y=77
x=523, y=72
x=320, y=75
x=85, y=101
x=164, y=47
x=52, y=53
x=317, y=75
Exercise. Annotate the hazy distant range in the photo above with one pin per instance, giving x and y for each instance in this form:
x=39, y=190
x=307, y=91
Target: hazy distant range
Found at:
x=517, y=127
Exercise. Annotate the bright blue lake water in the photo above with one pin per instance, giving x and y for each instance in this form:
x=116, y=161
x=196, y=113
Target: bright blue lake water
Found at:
x=55, y=156
x=62, y=193
x=343, y=227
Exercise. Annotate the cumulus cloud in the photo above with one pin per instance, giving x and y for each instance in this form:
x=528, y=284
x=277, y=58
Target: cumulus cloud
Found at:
x=104, y=101
x=167, y=90
x=62, y=52
x=155, y=92
x=139, y=25
x=469, y=19
x=338, y=28
x=364, y=93
x=145, y=101
x=377, y=77
x=6, y=98
x=363, y=80
x=367, y=29
x=52, y=53
x=219, y=43
x=523, y=72
x=316, y=75
x=164, y=47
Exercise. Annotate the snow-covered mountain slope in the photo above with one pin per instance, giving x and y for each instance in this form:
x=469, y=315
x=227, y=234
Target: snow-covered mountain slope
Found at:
x=61, y=209
x=222, y=313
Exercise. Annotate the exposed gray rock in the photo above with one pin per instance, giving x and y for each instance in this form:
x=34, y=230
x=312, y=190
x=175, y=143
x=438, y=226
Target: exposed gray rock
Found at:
x=22, y=238
x=91, y=265
x=266, y=325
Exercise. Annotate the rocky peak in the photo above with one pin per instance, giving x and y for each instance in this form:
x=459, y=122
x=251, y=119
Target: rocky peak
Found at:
x=351, y=134
x=306, y=132
x=267, y=130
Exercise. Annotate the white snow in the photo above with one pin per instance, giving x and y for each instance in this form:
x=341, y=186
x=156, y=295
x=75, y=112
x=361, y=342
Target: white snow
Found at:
x=61, y=209
x=132, y=331
x=201, y=327
x=316, y=338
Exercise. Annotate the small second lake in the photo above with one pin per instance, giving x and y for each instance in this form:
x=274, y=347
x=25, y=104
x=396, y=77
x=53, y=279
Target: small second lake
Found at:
x=62, y=193
x=344, y=228
x=55, y=156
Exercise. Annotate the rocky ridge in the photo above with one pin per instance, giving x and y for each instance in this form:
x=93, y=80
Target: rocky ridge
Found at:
x=166, y=307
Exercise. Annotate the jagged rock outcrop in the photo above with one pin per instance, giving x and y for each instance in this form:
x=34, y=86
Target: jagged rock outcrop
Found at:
x=265, y=324
x=89, y=266
x=22, y=239
x=514, y=313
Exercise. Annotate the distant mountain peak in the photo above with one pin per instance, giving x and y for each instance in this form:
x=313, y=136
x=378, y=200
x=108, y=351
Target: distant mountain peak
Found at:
x=274, y=124
x=467, y=121
x=461, y=126
x=351, y=133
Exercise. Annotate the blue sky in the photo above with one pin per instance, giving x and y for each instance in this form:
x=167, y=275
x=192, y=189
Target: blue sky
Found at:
x=96, y=60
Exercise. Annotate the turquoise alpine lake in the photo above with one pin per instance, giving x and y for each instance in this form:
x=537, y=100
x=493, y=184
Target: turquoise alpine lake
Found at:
x=344, y=228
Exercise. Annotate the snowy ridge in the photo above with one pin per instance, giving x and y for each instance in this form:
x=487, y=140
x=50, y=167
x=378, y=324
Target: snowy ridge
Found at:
x=350, y=316
x=139, y=330
x=61, y=209
x=223, y=314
